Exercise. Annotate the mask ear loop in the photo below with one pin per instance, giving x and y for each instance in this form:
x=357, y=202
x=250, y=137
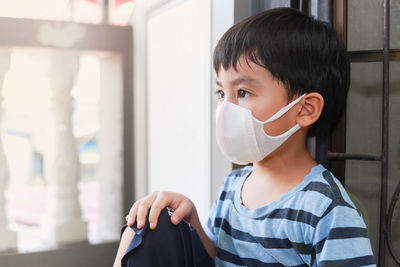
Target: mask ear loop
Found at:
x=282, y=111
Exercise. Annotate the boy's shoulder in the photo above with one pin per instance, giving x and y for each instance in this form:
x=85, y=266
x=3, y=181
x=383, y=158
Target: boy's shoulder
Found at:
x=234, y=178
x=323, y=182
x=240, y=172
x=235, y=175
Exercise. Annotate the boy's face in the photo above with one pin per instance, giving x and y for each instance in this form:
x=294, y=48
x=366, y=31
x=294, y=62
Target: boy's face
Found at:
x=253, y=87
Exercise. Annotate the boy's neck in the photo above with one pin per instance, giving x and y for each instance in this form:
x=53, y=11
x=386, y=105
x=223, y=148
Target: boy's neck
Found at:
x=277, y=174
x=291, y=161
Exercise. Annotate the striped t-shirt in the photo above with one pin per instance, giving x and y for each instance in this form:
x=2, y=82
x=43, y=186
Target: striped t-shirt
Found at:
x=315, y=224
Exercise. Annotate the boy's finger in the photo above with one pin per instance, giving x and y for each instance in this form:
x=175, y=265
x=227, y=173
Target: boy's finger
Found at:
x=141, y=214
x=143, y=208
x=180, y=212
x=132, y=214
x=159, y=203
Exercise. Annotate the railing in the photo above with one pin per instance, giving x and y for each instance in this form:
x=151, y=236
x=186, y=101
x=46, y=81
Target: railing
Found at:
x=64, y=42
x=8, y=237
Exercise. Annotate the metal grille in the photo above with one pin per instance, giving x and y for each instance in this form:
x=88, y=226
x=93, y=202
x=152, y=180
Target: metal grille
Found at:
x=324, y=155
x=335, y=12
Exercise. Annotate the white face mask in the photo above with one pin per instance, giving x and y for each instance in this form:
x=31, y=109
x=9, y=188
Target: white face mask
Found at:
x=242, y=138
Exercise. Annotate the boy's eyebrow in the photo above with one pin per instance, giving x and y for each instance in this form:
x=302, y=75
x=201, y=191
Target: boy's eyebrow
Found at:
x=239, y=81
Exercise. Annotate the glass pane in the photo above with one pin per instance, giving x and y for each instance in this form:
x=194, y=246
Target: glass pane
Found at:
x=47, y=99
x=121, y=11
x=66, y=10
x=365, y=24
x=364, y=111
x=86, y=11
x=394, y=150
x=266, y=4
x=395, y=24
x=363, y=125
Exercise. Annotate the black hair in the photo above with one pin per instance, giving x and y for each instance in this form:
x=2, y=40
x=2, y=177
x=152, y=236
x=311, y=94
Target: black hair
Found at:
x=304, y=53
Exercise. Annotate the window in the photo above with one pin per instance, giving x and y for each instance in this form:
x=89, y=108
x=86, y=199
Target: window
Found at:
x=67, y=103
x=115, y=12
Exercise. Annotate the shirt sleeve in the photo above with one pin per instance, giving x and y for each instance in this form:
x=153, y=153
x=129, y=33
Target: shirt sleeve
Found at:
x=341, y=238
x=221, y=204
x=210, y=228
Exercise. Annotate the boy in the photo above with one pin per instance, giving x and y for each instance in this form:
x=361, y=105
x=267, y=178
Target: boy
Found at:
x=282, y=76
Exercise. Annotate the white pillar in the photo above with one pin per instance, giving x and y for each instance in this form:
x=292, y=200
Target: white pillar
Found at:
x=8, y=239
x=62, y=221
x=110, y=148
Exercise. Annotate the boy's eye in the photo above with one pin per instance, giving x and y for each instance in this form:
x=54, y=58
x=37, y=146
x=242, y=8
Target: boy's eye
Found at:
x=220, y=94
x=243, y=93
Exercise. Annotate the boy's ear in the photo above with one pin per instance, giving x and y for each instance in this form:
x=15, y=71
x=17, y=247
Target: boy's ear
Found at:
x=311, y=108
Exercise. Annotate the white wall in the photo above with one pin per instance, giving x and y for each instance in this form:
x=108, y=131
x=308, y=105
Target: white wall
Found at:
x=178, y=100
x=174, y=86
x=222, y=20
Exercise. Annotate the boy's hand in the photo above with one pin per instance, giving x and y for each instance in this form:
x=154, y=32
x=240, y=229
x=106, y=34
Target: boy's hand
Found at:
x=157, y=201
x=184, y=209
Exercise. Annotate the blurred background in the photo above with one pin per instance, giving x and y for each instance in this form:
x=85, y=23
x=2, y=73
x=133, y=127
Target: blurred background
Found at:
x=104, y=101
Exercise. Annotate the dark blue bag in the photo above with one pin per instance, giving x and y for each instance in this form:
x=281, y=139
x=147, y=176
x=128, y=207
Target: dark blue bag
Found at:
x=167, y=245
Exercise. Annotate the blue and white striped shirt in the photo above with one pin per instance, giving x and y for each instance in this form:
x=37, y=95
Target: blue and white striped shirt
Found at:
x=315, y=224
